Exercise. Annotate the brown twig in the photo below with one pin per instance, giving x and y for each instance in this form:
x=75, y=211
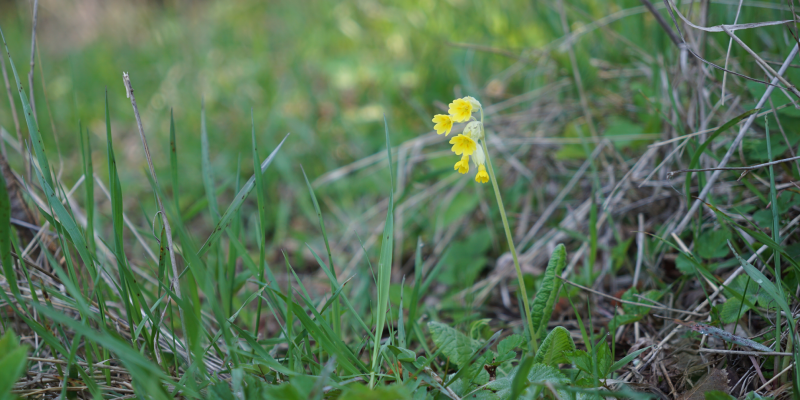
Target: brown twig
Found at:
x=662, y=22
x=628, y=301
x=745, y=353
x=672, y=174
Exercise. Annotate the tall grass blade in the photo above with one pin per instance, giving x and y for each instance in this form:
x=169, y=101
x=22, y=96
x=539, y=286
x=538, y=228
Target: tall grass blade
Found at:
x=237, y=202
x=384, y=267
x=33, y=127
x=336, y=317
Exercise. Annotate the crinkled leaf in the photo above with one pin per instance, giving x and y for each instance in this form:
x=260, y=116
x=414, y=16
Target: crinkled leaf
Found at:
x=545, y=299
x=552, y=350
x=455, y=345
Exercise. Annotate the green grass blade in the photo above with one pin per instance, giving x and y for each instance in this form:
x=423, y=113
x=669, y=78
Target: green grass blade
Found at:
x=337, y=322
x=237, y=202
x=208, y=175
x=33, y=127
x=700, y=150
x=415, y=293
x=5, y=239
x=262, y=217
x=173, y=162
x=88, y=184
x=384, y=267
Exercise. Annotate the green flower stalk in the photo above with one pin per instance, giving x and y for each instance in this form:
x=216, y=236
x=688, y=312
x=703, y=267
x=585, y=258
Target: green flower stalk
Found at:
x=466, y=146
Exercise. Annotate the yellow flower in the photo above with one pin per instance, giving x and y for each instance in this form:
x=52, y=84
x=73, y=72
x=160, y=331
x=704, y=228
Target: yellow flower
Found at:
x=463, y=144
x=463, y=165
x=460, y=110
x=482, y=176
x=443, y=124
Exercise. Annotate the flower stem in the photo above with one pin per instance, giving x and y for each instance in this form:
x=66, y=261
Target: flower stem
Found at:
x=512, y=249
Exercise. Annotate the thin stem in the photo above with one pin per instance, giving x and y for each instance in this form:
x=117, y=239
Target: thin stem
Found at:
x=510, y=239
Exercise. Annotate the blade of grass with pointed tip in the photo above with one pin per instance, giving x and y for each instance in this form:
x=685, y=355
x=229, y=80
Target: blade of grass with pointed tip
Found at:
x=262, y=218
x=334, y=287
x=776, y=230
x=173, y=162
x=412, y=309
x=702, y=148
x=337, y=323
x=205, y=166
x=5, y=239
x=237, y=202
x=33, y=127
x=384, y=266
x=88, y=184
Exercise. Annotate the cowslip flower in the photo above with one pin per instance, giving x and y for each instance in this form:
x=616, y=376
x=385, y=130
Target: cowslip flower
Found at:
x=479, y=158
x=466, y=144
x=482, y=176
x=463, y=145
x=460, y=110
x=462, y=166
x=443, y=124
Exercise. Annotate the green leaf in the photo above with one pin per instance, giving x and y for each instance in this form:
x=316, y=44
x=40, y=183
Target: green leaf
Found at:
x=773, y=291
x=505, y=349
x=12, y=362
x=717, y=395
x=520, y=381
x=455, y=345
x=359, y=392
x=403, y=354
x=713, y=244
x=551, y=352
x=545, y=299
x=584, y=362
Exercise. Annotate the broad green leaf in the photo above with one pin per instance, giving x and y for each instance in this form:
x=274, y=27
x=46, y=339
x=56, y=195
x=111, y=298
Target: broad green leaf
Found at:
x=545, y=299
x=403, y=354
x=551, y=352
x=458, y=347
x=455, y=345
x=584, y=362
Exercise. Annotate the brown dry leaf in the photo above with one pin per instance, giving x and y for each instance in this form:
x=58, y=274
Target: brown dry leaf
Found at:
x=717, y=379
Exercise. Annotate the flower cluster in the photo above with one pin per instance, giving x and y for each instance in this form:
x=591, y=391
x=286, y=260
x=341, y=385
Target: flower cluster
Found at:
x=465, y=144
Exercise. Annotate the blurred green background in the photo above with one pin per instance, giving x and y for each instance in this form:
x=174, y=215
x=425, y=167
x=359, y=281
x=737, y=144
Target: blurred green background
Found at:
x=328, y=72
